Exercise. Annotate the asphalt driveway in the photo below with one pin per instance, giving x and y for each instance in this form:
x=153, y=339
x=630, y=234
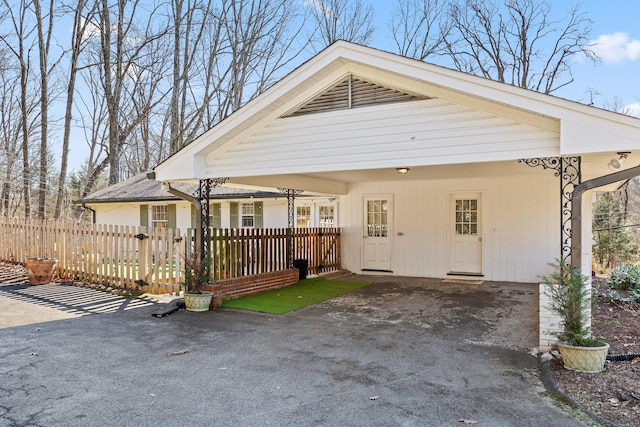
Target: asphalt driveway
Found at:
x=399, y=352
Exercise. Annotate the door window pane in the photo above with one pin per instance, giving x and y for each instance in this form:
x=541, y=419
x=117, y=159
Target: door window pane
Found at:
x=466, y=217
x=377, y=218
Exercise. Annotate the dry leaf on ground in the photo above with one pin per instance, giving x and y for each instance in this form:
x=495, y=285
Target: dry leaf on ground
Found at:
x=178, y=352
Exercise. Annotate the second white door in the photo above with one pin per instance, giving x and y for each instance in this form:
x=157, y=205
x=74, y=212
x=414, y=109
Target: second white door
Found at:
x=465, y=234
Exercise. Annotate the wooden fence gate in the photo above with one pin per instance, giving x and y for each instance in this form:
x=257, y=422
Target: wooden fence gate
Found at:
x=119, y=256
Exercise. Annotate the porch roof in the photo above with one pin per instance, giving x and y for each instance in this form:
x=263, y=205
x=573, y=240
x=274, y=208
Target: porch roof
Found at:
x=462, y=124
x=142, y=189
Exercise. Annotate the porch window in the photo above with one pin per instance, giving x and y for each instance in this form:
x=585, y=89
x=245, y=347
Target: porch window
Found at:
x=326, y=216
x=159, y=216
x=467, y=217
x=303, y=216
x=247, y=212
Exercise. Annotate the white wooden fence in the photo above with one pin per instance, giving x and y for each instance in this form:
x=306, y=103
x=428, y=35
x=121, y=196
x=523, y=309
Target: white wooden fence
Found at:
x=152, y=260
x=119, y=256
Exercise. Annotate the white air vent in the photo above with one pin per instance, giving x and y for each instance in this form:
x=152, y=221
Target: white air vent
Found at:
x=353, y=92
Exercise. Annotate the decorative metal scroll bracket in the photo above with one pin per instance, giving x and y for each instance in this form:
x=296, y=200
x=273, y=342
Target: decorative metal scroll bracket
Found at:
x=291, y=195
x=569, y=170
x=204, y=194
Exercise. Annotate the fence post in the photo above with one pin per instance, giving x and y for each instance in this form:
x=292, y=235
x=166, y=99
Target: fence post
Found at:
x=143, y=257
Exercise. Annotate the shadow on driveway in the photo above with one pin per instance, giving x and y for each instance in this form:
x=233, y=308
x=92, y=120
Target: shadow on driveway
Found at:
x=397, y=352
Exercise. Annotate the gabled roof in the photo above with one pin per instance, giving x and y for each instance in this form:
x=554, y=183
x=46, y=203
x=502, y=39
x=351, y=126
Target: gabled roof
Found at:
x=457, y=118
x=141, y=189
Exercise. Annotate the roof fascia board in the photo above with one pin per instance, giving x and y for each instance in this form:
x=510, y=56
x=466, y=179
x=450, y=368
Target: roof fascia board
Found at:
x=184, y=165
x=583, y=136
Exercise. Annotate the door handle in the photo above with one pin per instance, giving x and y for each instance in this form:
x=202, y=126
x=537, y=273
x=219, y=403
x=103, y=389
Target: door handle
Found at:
x=479, y=239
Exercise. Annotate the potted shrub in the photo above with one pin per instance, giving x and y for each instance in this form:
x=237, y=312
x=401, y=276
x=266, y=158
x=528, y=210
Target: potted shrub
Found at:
x=571, y=299
x=195, y=279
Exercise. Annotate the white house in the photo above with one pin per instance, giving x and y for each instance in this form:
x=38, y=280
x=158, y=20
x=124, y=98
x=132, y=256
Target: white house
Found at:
x=489, y=167
x=142, y=201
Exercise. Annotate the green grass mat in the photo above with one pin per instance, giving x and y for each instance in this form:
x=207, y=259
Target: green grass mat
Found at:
x=298, y=295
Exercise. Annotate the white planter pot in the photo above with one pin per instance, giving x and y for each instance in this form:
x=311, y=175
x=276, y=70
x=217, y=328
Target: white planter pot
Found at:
x=198, y=301
x=583, y=359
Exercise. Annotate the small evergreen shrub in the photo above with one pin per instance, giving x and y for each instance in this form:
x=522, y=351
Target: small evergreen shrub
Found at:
x=625, y=277
x=571, y=298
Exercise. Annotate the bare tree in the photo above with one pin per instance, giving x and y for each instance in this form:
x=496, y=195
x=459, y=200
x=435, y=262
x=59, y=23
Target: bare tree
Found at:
x=95, y=126
x=122, y=43
x=419, y=27
x=44, y=25
x=196, y=29
x=259, y=45
x=10, y=130
x=82, y=10
x=17, y=41
x=146, y=94
x=334, y=20
x=510, y=43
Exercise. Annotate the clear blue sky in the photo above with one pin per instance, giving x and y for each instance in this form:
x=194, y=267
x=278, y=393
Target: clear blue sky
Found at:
x=616, y=26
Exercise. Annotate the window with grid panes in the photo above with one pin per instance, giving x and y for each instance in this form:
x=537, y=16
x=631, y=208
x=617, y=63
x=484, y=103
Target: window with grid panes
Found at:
x=247, y=212
x=303, y=216
x=326, y=216
x=159, y=216
x=466, y=217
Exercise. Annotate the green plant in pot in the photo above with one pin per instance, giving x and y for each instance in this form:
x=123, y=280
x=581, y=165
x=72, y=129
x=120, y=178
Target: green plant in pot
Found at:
x=571, y=299
x=196, y=277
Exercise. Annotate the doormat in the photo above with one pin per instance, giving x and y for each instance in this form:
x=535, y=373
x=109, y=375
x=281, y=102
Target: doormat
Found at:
x=464, y=281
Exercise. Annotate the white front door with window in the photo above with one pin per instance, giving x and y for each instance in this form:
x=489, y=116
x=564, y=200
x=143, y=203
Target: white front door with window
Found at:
x=465, y=234
x=378, y=220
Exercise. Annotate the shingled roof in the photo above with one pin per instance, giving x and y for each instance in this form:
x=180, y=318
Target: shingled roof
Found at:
x=142, y=189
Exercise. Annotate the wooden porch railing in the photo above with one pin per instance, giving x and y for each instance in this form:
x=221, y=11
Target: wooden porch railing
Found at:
x=240, y=252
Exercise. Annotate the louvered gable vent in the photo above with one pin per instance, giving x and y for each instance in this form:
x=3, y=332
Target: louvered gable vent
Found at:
x=353, y=92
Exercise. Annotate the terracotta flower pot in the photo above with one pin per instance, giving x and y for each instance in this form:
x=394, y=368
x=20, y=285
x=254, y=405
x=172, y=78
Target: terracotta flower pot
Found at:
x=40, y=270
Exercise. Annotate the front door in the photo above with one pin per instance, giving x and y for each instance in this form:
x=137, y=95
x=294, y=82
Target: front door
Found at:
x=465, y=234
x=376, y=246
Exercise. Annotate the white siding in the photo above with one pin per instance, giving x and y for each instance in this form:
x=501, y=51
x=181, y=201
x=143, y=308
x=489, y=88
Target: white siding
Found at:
x=409, y=133
x=117, y=214
x=275, y=214
x=129, y=214
x=520, y=225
